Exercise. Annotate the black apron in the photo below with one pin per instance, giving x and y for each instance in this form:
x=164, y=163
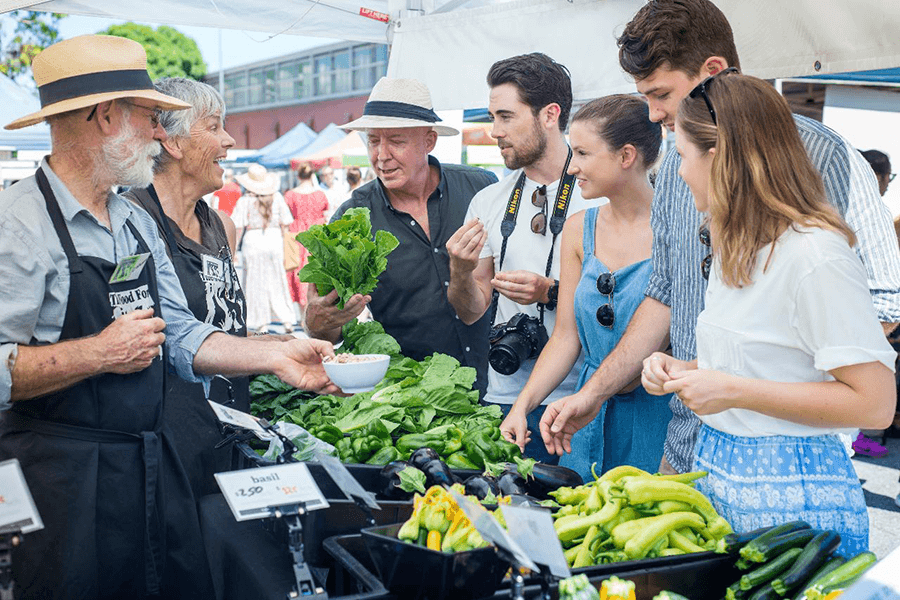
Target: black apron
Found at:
x=119, y=518
x=214, y=295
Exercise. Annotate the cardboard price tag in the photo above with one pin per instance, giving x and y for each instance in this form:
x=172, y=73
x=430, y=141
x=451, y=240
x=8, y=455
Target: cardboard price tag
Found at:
x=533, y=530
x=236, y=418
x=492, y=532
x=257, y=493
x=17, y=509
x=347, y=482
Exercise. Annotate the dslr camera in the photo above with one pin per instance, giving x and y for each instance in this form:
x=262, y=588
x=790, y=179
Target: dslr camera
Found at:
x=519, y=339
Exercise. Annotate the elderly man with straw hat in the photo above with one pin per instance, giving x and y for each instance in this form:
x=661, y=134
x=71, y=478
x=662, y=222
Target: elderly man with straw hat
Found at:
x=92, y=322
x=422, y=203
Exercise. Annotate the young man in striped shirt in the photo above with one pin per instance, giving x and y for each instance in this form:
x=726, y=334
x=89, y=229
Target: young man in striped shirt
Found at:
x=669, y=47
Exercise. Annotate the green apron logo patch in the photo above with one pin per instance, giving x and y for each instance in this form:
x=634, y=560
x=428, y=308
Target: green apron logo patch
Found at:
x=129, y=268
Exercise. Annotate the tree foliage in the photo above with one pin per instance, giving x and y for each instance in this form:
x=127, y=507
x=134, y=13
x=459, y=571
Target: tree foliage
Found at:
x=170, y=53
x=33, y=31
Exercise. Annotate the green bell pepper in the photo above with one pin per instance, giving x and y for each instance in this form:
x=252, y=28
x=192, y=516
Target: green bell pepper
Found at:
x=327, y=433
x=459, y=460
x=384, y=456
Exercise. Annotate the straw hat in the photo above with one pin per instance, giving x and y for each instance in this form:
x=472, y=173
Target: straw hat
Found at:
x=258, y=181
x=89, y=69
x=399, y=103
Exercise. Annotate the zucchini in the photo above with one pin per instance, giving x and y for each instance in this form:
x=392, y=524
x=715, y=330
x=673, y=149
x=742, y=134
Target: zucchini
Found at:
x=833, y=563
x=850, y=569
x=763, y=539
x=733, y=542
x=770, y=570
x=765, y=552
x=766, y=592
x=814, y=555
x=734, y=592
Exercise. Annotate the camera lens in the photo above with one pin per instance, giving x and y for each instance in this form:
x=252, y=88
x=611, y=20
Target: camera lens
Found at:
x=507, y=354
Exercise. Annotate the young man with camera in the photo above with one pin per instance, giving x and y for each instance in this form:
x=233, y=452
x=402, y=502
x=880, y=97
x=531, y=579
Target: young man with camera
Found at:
x=510, y=269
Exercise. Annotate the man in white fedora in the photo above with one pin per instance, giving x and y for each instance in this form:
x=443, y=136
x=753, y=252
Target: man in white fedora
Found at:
x=92, y=322
x=422, y=202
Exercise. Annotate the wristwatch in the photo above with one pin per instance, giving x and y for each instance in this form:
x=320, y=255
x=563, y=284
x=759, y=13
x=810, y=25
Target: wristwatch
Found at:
x=552, y=295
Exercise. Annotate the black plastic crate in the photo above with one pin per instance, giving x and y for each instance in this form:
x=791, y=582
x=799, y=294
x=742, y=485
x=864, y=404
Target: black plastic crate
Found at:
x=349, y=578
x=703, y=576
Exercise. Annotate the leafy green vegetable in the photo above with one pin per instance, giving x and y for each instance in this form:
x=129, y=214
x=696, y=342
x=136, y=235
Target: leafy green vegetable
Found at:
x=412, y=480
x=525, y=466
x=343, y=255
x=368, y=338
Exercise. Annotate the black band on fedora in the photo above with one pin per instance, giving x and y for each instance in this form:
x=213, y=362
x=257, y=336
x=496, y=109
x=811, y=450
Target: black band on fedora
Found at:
x=94, y=83
x=385, y=108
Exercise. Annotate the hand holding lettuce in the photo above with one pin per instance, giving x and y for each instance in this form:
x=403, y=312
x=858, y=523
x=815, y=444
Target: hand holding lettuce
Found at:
x=343, y=256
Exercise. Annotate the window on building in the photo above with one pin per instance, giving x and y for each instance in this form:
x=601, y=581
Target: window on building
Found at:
x=262, y=85
x=322, y=80
x=236, y=90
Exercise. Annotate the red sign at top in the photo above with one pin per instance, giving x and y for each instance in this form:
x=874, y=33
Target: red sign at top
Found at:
x=374, y=14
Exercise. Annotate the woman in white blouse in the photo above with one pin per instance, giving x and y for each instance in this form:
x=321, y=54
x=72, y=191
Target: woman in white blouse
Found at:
x=789, y=350
x=261, y=217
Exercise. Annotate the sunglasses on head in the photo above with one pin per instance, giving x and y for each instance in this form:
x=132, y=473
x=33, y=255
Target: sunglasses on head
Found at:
x=606, y=284
x=703, y=87
x=539, y=221
x=706, y=263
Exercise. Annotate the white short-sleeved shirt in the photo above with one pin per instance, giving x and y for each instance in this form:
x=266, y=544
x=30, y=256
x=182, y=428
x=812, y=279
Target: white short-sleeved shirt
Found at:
x=808, y=313
x=527, y=251
x=246, y=213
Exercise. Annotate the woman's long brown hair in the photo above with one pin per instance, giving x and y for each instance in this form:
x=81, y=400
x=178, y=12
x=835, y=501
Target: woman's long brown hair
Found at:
x=762, y=180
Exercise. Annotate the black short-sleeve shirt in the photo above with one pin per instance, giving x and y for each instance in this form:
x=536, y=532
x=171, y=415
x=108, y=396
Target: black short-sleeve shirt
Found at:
x=410, y=300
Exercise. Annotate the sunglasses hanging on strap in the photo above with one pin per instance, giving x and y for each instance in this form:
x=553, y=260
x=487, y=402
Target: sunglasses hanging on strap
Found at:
x=538, y=225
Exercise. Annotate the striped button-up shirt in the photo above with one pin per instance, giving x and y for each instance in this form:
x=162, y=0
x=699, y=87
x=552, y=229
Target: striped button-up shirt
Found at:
x=677, y=253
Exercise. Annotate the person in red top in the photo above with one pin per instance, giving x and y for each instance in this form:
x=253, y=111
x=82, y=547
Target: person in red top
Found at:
x=308, y=204
x=227, y=197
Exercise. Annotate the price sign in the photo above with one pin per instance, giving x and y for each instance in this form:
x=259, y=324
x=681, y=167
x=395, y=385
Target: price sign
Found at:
x=17, y=509
x=257, y=493
x=532, y=529
x=229, y=416
x=492, y=532
x=347, y=482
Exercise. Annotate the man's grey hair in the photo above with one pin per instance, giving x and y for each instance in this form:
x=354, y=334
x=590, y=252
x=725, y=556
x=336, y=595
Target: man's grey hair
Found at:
x=205, y=102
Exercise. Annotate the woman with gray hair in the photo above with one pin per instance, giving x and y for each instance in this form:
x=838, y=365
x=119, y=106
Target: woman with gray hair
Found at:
x=200, y=242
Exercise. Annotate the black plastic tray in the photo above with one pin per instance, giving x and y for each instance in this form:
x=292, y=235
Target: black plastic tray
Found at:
x=349, y=578
x=413, y=572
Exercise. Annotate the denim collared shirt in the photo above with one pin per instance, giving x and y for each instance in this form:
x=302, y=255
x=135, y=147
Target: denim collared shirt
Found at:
x=34, y=273
x=677, y=282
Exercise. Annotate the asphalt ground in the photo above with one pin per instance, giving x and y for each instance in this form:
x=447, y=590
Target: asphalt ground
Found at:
x=880, y=479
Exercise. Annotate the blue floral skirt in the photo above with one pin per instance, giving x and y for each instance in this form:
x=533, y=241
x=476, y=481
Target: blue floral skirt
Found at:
x=759, y=481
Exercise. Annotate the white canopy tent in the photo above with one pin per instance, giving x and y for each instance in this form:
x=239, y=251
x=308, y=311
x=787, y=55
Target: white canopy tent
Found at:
x=450, y=44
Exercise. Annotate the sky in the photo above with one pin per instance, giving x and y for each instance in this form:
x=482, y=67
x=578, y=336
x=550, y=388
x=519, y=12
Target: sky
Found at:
x=238, y=48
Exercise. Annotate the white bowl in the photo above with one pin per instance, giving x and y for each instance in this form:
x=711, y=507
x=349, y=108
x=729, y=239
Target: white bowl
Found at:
x=356, y=377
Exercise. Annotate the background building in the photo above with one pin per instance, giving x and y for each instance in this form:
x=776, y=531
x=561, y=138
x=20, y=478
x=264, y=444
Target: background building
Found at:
x=327, y=84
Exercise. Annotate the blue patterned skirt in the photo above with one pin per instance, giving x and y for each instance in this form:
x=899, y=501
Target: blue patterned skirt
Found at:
x=759, y=481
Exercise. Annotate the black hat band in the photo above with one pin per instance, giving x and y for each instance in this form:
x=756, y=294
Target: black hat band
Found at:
x=78, y=86
x=385, y=108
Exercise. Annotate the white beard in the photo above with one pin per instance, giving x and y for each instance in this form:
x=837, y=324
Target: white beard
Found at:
x=129, y=162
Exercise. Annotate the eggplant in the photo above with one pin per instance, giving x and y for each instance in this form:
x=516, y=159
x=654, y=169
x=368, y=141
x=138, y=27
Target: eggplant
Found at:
x=481, y=486
x=547, y=478
x=390, y=481
x=422, y=457
x=436, y=471
x=511, y=483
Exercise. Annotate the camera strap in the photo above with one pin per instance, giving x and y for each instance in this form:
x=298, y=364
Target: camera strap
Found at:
x=557, y=220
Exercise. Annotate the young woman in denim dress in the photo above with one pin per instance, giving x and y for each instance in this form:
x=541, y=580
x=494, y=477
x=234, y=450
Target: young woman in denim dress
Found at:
x=605, y=255
x=789, y=349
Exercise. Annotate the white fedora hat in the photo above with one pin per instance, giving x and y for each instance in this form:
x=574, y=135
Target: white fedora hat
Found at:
x=89, y=69
x=399, y=103
x=259, y=181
